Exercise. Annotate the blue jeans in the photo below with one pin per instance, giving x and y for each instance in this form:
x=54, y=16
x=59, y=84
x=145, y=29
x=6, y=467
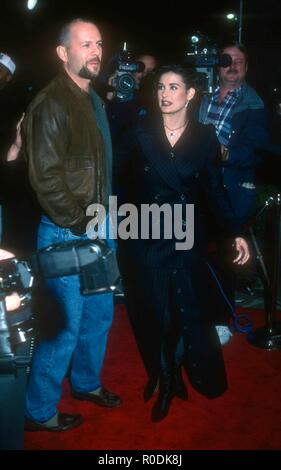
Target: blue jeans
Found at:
x=81, y=340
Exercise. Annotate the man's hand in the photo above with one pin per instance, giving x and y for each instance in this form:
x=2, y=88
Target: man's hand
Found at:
x=15, y=148
x=12, y=301
x=243, y=251
x=4, y=254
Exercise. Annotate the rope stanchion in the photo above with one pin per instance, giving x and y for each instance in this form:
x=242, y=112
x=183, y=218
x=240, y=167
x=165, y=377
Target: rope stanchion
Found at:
x=269, y=336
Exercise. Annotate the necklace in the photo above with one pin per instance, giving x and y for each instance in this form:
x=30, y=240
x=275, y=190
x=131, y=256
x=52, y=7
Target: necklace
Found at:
x=172, y=131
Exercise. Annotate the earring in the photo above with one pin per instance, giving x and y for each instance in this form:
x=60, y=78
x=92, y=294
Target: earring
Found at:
x=186, y=104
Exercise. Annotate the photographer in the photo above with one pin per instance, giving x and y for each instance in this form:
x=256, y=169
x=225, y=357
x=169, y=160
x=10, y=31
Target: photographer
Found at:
x=130, y=94
x=12, y=377
x=240, y=119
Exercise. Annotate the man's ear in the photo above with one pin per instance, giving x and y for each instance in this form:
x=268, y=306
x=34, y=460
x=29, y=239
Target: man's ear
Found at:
x=62, y=53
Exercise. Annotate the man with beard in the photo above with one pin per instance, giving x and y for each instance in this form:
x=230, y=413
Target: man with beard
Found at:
x=240, y=119
x=68, y=148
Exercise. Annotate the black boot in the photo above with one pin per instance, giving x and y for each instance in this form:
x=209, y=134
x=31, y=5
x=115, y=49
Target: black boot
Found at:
x=150, y=388
x=161, y=407
x=179, y=387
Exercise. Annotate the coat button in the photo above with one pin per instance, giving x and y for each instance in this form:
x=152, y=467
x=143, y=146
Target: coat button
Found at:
x=182, y=197
x=156, y=197
x=184, y=223
x=146, y=168
x=172, y=155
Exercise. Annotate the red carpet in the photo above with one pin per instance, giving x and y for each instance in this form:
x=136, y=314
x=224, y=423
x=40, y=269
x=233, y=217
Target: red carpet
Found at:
x=247, y=417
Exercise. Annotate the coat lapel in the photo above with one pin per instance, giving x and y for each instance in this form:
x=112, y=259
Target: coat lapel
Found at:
x=159, y=157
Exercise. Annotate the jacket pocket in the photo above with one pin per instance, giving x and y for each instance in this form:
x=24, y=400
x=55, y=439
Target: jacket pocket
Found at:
x=78, y=163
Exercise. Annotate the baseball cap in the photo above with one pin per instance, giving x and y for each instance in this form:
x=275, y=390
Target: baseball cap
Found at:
x=7, y=62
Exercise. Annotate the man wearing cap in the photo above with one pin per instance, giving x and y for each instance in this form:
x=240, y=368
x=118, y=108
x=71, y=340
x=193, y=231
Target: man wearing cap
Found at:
x=7, y=69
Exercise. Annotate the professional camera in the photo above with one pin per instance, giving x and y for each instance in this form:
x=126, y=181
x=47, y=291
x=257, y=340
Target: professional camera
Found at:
x=93, y=260
x=124, y=82
x=16, y=276
x=204, y=57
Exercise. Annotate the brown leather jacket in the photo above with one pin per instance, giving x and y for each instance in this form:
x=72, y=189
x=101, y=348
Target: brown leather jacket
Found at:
x=65, y=152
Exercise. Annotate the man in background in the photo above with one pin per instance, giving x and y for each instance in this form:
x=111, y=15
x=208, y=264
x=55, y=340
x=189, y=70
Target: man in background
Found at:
x=240, y=119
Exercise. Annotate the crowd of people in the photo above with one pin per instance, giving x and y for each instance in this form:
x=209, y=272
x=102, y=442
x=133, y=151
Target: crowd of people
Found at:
x=156, y=149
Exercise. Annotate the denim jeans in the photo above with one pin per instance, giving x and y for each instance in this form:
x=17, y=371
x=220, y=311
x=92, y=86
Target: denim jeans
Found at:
x=81, y=341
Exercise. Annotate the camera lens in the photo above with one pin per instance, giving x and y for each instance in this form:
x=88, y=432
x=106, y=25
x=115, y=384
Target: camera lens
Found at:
x=125, y=82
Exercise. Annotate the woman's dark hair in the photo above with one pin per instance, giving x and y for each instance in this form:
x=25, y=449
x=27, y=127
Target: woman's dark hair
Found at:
x=188, y=75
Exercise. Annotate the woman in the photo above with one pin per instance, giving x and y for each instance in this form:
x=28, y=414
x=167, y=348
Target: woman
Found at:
x=173, y=160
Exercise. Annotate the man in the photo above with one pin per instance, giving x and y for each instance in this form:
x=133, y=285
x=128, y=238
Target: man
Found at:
x=125, y=112
x=150, y=64
x=67, y=143
x=240, y=119
x=7, y=70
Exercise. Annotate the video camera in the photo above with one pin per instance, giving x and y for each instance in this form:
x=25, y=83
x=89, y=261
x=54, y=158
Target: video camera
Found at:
x=93, y=260
x=204, y=57
x=124, y=82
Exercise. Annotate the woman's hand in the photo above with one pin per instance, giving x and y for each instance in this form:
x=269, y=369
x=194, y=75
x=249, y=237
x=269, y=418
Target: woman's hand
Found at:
x=242, y=248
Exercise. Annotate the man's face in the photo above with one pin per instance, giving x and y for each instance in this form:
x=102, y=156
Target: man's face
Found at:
x=234, y=75
x=84, y=51
x=149, y=65
x=5, y=76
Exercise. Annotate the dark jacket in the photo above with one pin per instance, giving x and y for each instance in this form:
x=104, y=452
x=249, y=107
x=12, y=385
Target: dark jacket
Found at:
x=67, y=151
x=248, y=135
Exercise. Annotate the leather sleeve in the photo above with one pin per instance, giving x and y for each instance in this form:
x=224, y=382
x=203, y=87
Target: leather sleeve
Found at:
x=47, y=131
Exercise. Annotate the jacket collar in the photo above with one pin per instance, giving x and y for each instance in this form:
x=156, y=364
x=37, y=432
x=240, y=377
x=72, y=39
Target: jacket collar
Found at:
x=67, y=81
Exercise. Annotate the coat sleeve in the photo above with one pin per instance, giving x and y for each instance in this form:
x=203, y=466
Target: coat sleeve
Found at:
x=216, y=196
x=46, y=142
x=250, y=136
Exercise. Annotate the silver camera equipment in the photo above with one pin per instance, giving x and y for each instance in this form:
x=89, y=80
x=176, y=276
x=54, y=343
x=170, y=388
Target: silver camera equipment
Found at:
x=124, y=81
x=205, y=58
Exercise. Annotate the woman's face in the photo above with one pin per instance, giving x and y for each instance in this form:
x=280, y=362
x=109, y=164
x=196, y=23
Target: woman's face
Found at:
x=172, y=93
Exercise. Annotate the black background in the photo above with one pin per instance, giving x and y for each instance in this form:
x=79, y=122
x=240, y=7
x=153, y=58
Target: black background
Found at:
x=161, y=28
